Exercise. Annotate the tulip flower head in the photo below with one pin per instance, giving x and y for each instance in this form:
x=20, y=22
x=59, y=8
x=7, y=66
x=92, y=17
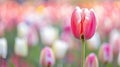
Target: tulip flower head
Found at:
x=105, y=53
x=91, y=61
x=83, y=23
x=47, y=58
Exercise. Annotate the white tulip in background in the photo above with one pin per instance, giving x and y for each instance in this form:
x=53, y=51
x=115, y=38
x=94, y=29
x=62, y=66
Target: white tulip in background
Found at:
x=22, y=29
x=21, y=47
x=60, y=48
x=3, y=47
x=94, y=42
x=48, y=35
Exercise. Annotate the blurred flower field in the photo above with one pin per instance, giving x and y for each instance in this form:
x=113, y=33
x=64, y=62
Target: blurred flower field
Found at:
x=40, y=33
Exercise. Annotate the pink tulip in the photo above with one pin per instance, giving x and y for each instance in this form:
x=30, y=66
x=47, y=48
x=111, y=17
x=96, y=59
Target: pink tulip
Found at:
x=10, y=14
x=91, y=61
x=32, y=37
x=115, y=41
x=3, y=62
x=83, y=23
x=47, y=58
x=66, y=33
x=105, y=53
x=18, y=61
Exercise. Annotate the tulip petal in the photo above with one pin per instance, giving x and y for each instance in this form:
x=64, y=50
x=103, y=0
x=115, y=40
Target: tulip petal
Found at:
x=90, y=25
x=75, y=20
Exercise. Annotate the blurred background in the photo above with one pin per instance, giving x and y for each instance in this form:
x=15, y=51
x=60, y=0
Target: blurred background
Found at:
x=27, y=26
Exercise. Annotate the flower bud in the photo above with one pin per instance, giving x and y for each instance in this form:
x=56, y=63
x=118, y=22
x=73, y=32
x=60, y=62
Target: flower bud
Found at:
x=105, y=53
x=91, y=61
x=47, y=58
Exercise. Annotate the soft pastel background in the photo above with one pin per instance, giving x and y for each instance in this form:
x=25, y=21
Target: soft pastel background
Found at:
x=43, y=22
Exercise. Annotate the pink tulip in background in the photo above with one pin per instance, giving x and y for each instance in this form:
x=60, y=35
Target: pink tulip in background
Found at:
x=91, y=61
x=3, y=62
x=47, y=58
x=105, y=53
x=114, y=40
x=19, y=62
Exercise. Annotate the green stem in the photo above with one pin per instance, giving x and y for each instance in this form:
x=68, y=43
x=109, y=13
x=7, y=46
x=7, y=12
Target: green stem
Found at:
x=60, y=64
x=115, y=61
x=68, y=65
x=83, y=53
x=105, y=65
x=20, y=61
